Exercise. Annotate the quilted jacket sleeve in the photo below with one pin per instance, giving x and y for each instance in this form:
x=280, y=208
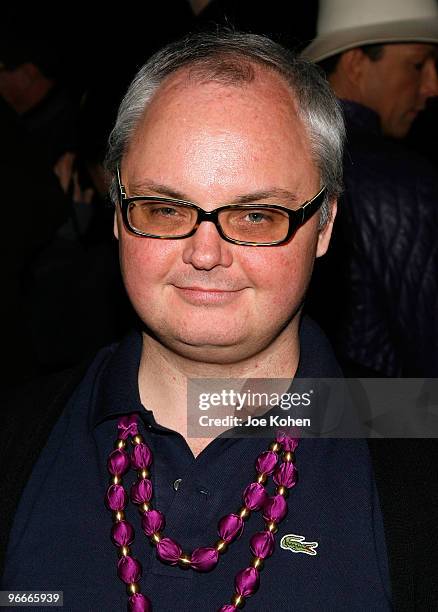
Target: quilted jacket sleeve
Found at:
x=390, y=209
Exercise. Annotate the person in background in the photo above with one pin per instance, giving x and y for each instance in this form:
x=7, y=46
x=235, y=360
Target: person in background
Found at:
x=56, y=214
x=382, y=315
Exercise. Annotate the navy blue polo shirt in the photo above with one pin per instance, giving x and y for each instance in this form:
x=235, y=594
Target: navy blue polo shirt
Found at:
x=60, y=539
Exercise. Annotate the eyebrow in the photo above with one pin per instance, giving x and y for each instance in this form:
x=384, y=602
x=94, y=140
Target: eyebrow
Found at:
x=147, y=186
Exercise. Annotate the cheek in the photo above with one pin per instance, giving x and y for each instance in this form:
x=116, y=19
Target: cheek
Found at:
x=144, y=262
x=403, y=94
x=282, y=274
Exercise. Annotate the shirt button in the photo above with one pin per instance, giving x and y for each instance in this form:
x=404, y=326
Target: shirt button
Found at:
x=177, y=483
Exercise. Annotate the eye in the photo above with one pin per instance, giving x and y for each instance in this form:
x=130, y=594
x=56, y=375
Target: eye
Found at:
x=257, y=217
x=164, y=211
x=418, y=66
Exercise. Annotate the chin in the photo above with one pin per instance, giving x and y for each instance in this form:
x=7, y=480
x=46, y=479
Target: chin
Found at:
x=208, y=350
x=399, y=131
x=208, y=340
x=214, y=344
x=214, y=355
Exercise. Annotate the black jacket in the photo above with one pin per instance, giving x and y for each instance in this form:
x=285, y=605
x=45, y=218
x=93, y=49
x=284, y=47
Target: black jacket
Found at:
x=376, y=293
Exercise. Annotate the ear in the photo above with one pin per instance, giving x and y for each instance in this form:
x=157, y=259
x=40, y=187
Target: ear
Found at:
x=326, y=232
x=353, y=63
x=349, y=79
x=116, y=222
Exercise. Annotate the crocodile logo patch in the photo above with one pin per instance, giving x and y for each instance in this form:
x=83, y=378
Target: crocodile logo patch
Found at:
x=296, y=544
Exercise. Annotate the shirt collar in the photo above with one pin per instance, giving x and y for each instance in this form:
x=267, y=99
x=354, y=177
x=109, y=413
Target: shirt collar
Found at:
x=361, y=117
x=317, y=359
x=118, y=391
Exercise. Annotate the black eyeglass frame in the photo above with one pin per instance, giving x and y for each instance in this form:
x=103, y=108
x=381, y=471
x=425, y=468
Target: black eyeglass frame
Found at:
x=297, y=217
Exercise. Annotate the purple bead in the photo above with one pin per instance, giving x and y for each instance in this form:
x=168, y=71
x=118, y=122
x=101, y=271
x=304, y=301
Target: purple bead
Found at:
x=230, y=527
x=262, y=544
x=228, y=608
x=127, y=426
x=141, y=457
x=255, y=496
x=266, y=462
x=116, y=497
x=246, y=582
x=168, y=551
x=141, y=491
x=139, y=603
x=275, y=508
x=289, y=443
x=128, y=569
x=204, y=559
x=152, y=521
x=286, y=475
x=122, y=533
x=118, y=462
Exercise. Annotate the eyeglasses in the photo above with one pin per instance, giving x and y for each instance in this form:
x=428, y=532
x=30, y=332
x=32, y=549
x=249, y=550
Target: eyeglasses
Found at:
x=245, y=224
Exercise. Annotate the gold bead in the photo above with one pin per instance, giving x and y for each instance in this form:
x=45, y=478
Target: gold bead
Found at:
x=238, y=600
x=119, y=515
x=257, y=563
x=138, y=439
x=145, y=507
x=116, y=479
x=156, y=537
x=221, y=546
x=244, y=512
x=124, y=551
x=120, y=444
x=272, y=527
x=133, y=588
x=261, y=478
x=281, y=490
x=143, y=473
x=274, y=447
x=289, y=456
x=184, y=561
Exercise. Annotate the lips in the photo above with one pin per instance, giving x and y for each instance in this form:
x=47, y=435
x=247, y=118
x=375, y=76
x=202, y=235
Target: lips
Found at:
x=207, y=289
x=208, y=295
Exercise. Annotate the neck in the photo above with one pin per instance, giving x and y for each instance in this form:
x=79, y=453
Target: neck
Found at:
x=345, y=89
x=163, y=375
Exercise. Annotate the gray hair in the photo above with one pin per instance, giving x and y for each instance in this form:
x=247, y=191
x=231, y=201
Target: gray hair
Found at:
x=229, y=57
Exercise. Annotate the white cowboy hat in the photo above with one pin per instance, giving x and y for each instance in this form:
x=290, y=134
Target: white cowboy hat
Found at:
x=345, y=24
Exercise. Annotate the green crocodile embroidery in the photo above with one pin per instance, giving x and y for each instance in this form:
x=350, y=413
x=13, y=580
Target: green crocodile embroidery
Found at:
x=296, y=544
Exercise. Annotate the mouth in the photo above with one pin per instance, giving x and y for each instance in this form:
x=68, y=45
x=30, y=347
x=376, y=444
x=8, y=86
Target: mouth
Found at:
x=208, y=295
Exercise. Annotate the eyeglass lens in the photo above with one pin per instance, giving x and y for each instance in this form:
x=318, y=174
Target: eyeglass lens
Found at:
x=163, y=219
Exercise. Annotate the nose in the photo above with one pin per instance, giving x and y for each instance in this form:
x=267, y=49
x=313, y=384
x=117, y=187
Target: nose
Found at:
x=206, y=249
x=429, y=81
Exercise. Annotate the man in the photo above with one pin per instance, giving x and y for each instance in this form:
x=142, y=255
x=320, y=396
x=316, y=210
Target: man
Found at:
x=225, y=160
x=380, y=60
x=58, y=243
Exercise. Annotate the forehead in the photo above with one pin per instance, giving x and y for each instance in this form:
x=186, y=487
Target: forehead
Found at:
x=221, y=133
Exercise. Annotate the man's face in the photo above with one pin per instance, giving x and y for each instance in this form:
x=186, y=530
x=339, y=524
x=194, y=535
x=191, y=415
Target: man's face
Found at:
x=202, y=297
x=24, y=86
x=398, y=84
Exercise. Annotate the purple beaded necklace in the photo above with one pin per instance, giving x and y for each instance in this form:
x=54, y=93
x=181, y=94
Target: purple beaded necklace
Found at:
x=278, y=461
